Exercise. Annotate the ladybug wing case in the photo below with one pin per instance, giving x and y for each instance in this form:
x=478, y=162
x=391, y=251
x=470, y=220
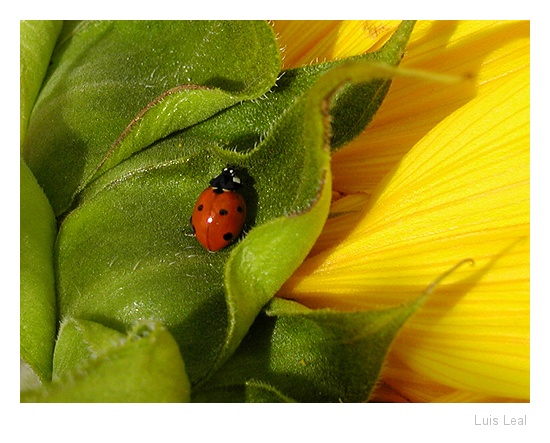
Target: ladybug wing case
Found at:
x=218, y=218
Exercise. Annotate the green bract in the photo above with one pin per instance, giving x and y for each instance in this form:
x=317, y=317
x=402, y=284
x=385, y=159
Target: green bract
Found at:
x=131, y=122
x=38, y=310
x=145, y=366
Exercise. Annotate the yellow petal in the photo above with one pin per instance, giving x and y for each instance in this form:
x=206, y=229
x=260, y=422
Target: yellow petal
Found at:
x=412, y=386
x=461, y=193
x=310, y=41
x=480, y=50
x=345, y=213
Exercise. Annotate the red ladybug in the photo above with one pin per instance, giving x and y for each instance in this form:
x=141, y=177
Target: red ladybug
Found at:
x=220, y=211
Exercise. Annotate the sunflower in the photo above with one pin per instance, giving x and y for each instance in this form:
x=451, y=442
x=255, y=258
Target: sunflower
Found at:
x=125, y=123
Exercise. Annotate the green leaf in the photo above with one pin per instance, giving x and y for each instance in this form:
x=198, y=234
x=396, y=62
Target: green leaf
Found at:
x=177, y=108
x=80, y=340
x=37, y=40
x=115, y=87
x=257, y=392
x=127, y=254
x=37, y=290
x=293, y=352
x=145, y=366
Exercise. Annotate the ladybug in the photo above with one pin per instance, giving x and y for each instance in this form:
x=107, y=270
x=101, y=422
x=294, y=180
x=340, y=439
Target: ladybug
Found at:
x=220, y=211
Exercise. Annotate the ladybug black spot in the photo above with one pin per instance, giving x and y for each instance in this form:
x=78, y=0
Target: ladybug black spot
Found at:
x=240, y=209
x=200, y=208
x=227, y=236
x=223, y=212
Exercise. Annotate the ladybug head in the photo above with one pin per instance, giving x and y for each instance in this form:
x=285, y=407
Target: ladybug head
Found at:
x=227, y=180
